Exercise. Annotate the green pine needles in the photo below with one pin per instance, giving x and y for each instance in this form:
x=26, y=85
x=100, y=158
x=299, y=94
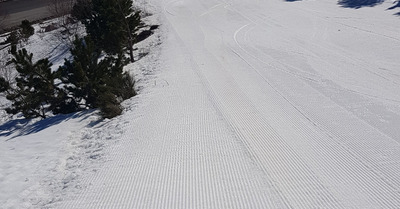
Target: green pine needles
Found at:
x=112, y=24
x=35, y=90
x=90, y=83
x=87, y=81
x=93, y=78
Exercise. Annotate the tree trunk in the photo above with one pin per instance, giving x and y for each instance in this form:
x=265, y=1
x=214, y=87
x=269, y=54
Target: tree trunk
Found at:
x=128, y=30
x=130, y=42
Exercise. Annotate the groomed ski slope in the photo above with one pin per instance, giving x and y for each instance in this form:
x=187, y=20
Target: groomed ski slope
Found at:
x=262, y=104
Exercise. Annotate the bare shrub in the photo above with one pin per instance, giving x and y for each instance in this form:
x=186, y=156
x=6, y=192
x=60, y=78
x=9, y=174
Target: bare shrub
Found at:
x=6, y=68
x=62, y=9
x=59, y=8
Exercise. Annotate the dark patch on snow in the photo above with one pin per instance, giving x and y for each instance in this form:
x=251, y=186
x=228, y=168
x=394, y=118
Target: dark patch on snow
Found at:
x=396, y=4
x=146, y=33
x=356, y=4
x=23, y=127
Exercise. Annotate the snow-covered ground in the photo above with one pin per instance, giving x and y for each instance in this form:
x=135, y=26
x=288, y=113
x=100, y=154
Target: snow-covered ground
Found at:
x=245, y=104
x=42, y=161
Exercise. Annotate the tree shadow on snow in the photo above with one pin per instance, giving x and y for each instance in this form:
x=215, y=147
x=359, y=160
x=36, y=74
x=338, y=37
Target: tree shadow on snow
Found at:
x=12, y=126
x=396, y=5
x=23, y=127
x=356, y=4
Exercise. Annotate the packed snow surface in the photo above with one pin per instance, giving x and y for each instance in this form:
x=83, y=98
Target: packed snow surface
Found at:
x=250, y=104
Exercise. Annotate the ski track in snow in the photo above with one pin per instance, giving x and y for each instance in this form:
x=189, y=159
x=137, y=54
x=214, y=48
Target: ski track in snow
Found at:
x=253, y=132
x=257, y=104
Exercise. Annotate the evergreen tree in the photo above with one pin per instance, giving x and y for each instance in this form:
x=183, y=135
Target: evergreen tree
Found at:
x=35, y=89
x=26, y=29
x=88, y=80
x=112, y=24
x=90, y=83
x=83, y=75
x=4, y=85
x=82, y=10
x=131, y=24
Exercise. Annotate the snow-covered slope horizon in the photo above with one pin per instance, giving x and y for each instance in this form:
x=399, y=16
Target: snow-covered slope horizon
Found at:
x=255, y=104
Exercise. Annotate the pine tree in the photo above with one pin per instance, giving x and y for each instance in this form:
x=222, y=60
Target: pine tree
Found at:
x=35, y=89
x=83, y=75
x=26, y=29
x=4, y=85
x=90, y=83
x=131, y=24
x=112, y=24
